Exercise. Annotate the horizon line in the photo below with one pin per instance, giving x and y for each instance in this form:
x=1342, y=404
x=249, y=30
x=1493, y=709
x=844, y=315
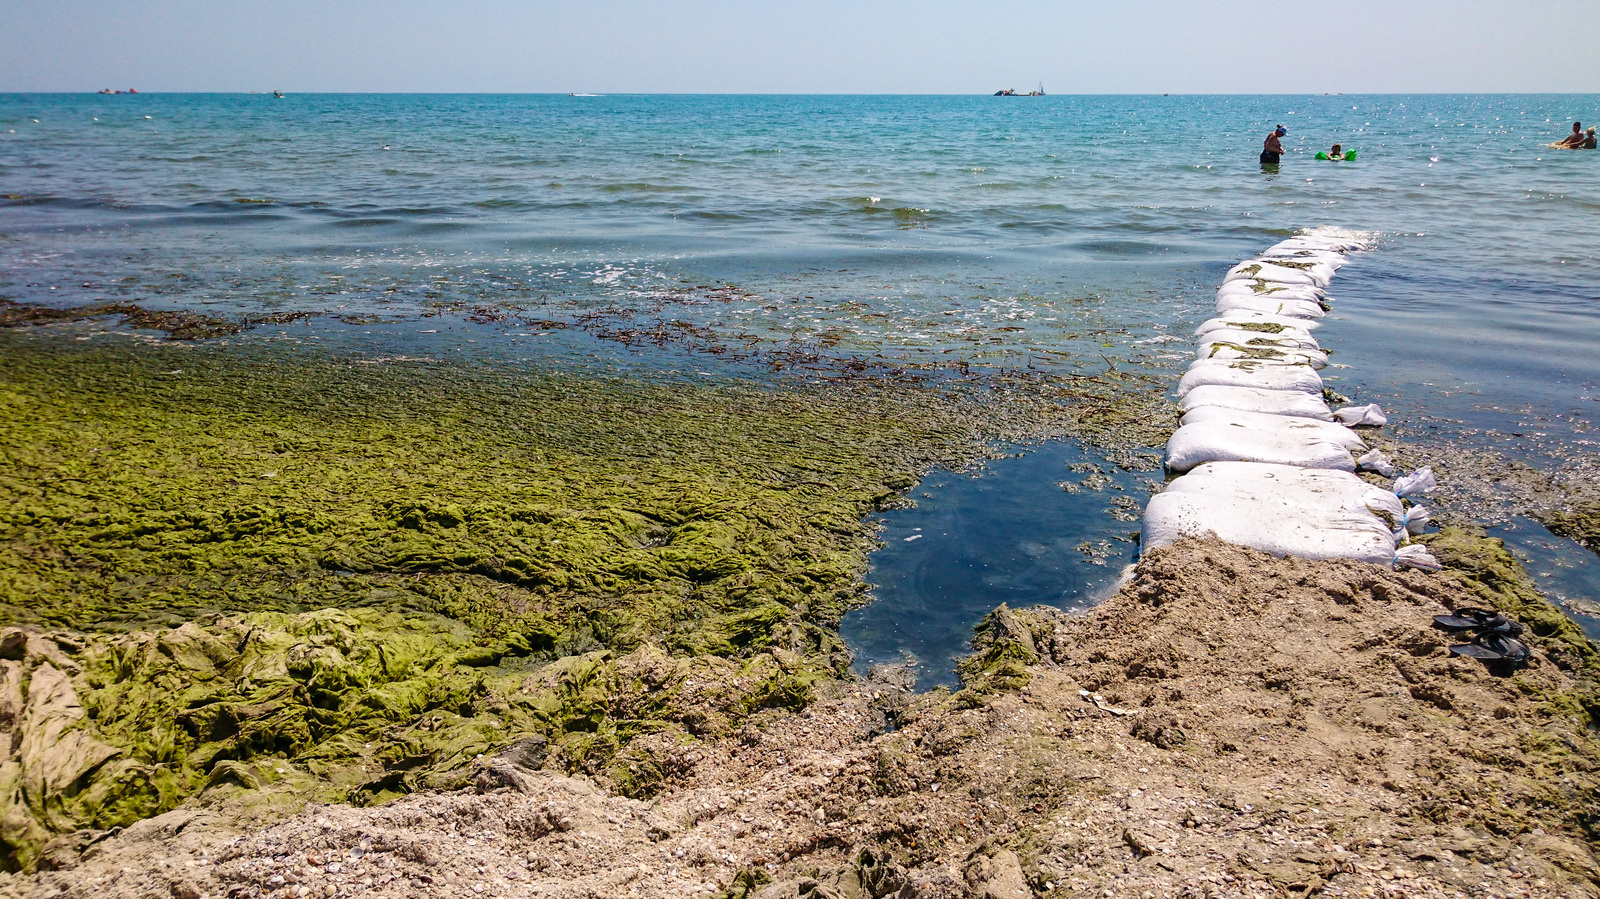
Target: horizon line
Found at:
x=634, y=93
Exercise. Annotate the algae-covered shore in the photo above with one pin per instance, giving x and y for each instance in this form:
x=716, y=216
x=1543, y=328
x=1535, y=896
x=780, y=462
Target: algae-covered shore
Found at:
x=287, y=624
x=1228, y=725
x=345, y=579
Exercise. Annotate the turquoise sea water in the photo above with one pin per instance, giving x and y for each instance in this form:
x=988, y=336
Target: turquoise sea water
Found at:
x=1057, y=233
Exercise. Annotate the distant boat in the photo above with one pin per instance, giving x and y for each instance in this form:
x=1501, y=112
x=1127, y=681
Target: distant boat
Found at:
x=277, y=95
x=583, y=95
x=1011, y=92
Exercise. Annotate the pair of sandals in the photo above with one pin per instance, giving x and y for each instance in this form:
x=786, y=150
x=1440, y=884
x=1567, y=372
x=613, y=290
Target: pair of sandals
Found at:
x=1495, y=640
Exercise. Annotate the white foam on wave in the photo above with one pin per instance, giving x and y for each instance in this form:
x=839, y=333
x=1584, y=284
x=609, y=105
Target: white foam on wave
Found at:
x=1368, y=239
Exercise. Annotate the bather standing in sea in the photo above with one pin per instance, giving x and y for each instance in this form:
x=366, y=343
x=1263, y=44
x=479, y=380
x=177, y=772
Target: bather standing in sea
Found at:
x=1272, y=147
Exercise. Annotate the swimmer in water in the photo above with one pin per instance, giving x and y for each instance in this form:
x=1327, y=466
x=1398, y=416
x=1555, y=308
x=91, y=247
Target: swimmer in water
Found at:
x=1272, y=147
x=1337, y=153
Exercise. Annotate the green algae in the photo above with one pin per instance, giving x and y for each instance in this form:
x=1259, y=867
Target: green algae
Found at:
x=1247, y=351
x=177, y=324
x=1580, y=522
x=301, y=577
x=1004, y=645
x=569, y=513
x=1290, y=263
x=358, y=705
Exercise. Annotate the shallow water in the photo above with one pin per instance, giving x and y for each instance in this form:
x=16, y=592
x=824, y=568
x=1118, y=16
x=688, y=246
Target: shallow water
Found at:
x=716, y=233
x=1053, y=525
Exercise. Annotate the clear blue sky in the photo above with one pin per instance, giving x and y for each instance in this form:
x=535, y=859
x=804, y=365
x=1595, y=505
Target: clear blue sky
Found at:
x=826, y=46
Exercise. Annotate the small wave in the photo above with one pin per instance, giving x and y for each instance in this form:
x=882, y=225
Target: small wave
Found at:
x=862, y=203
x=706, y=215
x=913, y=216
x=1120, y=248
x=418, y=210
x=500, y=204
x=363, y=222
x=643, y=187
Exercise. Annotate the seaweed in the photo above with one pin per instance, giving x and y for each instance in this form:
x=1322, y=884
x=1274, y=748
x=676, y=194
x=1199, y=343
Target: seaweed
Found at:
x=178, y=324
x=1579, y=522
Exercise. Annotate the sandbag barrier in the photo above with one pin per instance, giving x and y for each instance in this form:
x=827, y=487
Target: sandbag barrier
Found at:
x=1263, y=461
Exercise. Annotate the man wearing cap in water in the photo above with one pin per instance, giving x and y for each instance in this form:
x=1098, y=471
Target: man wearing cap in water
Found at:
x=1272, y=147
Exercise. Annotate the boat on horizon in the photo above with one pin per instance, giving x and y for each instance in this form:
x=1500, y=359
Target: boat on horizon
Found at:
x=1012, y=92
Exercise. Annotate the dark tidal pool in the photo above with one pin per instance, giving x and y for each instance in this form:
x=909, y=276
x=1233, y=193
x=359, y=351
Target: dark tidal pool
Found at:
x=1053, y=526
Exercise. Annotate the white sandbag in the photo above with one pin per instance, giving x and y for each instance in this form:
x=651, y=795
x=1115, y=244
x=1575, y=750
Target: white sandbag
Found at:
x=1416, y=519
x=1376, y=461
x=1290, y=338
x=1217, y=441
x=1250, y=303
x=1368, y=416
x=1417, y=483
x=1321, y=272
x=1265, y=321
x=1328, y=258
x=1254, y=399
x=1327, y=430
x=1316, y=488
x=1228, y=351
x=1275, y=527
x=1311, y=513
x=1254, y=288
x=1250, y=373
x=1262, y=270
x=1416, y=556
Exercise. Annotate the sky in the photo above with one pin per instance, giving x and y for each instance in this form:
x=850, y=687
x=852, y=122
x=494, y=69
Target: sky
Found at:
x=823, y=46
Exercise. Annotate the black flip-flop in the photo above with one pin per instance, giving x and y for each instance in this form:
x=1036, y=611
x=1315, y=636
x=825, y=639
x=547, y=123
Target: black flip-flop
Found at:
x=1468, y=618
x=1492, y=647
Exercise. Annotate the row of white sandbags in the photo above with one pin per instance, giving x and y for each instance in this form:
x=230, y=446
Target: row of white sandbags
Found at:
x=1258, y=357
x=1268, y=464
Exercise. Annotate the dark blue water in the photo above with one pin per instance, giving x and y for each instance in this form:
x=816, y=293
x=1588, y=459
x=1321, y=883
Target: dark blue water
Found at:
x=1054, y=527
x=1056, y=234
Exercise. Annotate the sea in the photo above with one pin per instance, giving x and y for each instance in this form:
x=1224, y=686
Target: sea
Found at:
x=750, y=236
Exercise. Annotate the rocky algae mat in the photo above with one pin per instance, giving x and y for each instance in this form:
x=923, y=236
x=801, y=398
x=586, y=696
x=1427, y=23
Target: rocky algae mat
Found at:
x=354, y=577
